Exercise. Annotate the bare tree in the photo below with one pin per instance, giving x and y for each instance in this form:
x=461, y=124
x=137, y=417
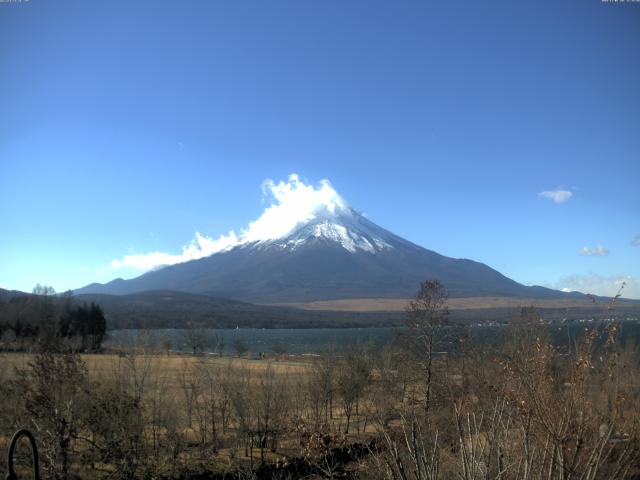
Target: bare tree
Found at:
x=280, y=347
x=353, y=376
x=426, y=317
x=166, y=343
x=211, y=398
x=116, y=427
x=190, y=386
x=241, y=347
x=240, y=398
x=54, y=389
x=270, y=407
x=195, y=338
x=322, y=383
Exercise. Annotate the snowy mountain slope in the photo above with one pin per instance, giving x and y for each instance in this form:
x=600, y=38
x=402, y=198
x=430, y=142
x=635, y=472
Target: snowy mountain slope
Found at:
x=336, y=254
x=345, y=228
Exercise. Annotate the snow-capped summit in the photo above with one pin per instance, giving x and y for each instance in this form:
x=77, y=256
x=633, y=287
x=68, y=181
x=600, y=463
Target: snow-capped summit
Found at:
x=345, y=228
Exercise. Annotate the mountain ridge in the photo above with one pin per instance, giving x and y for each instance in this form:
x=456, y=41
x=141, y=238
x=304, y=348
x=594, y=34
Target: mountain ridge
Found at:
x=335, y=255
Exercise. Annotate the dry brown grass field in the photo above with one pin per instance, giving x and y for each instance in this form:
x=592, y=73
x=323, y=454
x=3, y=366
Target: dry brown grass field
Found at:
x=181, y=392
x=168, y=369
x=526, y=409
x=99, y=364
x=468, y=303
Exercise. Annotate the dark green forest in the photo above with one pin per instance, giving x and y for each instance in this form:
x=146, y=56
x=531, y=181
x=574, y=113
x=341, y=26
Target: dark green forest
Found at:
x=50, y=321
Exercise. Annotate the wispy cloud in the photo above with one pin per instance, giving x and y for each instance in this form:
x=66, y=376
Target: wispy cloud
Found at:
x=291, y=202
x=200, y=247
x=600, y=285
x=636, y=241
x=558, y=195
x=598, y=251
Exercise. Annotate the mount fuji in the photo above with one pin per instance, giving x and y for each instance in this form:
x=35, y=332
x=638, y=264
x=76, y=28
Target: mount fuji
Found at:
x=335, y=253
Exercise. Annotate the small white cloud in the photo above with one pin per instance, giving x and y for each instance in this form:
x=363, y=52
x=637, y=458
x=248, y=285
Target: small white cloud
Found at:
x=636, y=241
x=559, y=195
x=598, y=251
x=291, y=203
x=600, y=285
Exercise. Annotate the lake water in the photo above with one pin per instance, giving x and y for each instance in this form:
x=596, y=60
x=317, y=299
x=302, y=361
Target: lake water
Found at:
x=315, y=341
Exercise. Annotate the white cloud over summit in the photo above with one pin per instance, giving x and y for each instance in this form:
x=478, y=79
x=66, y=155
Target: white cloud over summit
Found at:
x=291, y=202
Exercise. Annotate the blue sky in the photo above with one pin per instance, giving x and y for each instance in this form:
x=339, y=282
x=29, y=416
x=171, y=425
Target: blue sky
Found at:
x=127, y=127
